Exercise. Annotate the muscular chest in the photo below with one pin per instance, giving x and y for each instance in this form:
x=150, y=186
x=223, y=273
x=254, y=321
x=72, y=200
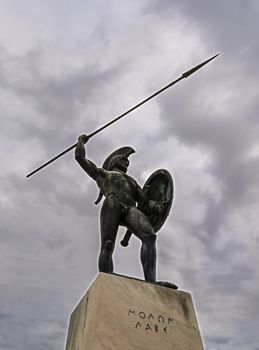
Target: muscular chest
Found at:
x=115, y=182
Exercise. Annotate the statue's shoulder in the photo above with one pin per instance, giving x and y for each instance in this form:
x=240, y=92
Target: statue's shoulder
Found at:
x=130, y=178
x=102, y=173
x=132, y=182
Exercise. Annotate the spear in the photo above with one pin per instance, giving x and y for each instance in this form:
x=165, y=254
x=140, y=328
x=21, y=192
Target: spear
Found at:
x=184, y=75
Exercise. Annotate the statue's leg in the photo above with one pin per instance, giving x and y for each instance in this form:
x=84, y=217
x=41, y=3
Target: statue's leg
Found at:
x=110, y=218
x=138, y=223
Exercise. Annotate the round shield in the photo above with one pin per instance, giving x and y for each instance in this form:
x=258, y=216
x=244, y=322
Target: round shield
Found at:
x=159, y=190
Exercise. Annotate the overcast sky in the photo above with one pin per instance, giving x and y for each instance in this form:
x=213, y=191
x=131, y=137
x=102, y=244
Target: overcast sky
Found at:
x=67, y=67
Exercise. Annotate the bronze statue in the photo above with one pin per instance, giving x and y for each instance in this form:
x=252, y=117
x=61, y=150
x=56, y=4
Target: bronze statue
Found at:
x=119, y=207
x=122, y=193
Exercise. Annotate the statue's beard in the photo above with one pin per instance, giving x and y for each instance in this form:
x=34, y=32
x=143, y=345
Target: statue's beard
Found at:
x=121, y=168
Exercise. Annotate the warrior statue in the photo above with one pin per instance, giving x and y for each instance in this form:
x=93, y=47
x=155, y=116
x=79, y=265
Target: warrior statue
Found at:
x=122, y=193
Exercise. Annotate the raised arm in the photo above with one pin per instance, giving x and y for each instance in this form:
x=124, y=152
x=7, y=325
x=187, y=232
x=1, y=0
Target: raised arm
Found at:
x=89, y=167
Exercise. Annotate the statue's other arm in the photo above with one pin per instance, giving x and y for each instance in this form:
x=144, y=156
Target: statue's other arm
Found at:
x=154, y=206
x=140, y=195
x=89, y=167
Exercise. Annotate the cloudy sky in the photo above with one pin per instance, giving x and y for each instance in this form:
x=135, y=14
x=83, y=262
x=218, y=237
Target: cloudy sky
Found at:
x=67, y=67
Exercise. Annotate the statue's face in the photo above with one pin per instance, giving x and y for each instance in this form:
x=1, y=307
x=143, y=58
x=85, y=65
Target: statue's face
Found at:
x=122, y=164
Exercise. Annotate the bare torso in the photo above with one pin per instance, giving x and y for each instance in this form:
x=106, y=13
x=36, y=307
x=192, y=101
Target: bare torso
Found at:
x=119, y=184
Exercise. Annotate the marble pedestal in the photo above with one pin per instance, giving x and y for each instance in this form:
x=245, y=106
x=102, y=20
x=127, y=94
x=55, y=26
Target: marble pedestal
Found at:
x=122, y=313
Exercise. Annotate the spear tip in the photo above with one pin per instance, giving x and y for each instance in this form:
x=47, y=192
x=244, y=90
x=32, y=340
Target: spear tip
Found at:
x=191, y=71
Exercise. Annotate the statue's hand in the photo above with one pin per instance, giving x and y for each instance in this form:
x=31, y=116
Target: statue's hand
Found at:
x=83, y=138
x=80, y=149
x=159, y=207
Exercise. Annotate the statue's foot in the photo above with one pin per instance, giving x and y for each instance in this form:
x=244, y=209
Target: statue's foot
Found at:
x=167, y=284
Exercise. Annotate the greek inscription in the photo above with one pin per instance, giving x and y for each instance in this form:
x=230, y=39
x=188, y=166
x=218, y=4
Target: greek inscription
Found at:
x=131, y=312
x=142, y=315
x=160, y=317
x=148, y=327
x=158, y=327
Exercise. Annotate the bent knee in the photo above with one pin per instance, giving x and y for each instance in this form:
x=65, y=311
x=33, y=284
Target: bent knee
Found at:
x=150, y=238
x=148, y=230
x=108, y=245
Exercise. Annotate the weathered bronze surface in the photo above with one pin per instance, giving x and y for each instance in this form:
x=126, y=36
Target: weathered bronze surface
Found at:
x=122, y=193
x=158, y=191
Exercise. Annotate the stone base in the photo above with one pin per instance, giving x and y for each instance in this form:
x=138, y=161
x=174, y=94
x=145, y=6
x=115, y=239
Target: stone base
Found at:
x=122, y=313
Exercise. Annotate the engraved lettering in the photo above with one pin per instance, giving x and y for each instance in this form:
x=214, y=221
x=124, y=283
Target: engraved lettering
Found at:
x=148, y=327
x=160, y=317
x=156, y=323
x=142, y=315
x=131, y=312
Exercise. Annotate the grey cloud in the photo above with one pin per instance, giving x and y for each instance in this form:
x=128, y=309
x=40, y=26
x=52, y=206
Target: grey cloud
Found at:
x=49, y=225
x=231, y=25
x=11, y=324
x=57, y=101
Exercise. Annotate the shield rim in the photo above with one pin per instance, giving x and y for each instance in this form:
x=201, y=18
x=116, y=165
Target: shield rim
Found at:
x=170, y=202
